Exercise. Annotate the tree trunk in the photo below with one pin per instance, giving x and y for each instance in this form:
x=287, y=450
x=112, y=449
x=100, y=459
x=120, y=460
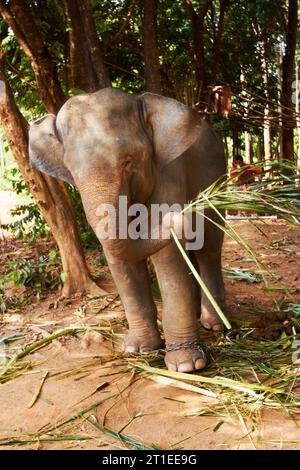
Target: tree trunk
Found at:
x=51, y=197
x=248, y=137
x=50, y=194
x=297, y=92
x=81, y=75
x=197, y=21
x=278, y=55
x=225, y=143
x=96, y=54
x=287, y=81
x=248, y=147
x=235, y=142
x=151, y=54
x=218, y=37
x=88, y=69
x=258, y=150
x=267, y=112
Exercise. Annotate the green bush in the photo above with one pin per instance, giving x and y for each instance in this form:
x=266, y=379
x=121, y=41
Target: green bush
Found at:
x=41, y=274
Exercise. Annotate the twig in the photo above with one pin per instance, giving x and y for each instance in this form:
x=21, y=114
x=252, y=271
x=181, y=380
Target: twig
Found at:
x=244, y=426
x=39, y=389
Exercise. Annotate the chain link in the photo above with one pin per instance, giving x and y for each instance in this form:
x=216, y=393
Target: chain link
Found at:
x=195, y=345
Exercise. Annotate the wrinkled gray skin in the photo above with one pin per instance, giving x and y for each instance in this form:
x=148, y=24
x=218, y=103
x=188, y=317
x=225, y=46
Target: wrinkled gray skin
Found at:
x=152, y=149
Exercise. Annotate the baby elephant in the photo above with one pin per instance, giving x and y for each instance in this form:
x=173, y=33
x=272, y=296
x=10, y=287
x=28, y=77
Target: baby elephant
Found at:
x=130, y=157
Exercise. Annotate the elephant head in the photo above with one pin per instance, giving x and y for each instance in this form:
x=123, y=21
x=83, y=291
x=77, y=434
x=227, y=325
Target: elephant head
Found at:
x=109, y=144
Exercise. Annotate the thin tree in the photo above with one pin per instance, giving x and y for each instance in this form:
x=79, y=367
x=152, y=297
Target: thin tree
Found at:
x=88, y=69
x=288, y=118
x=151, y=53
x=57, y=211
x=198, y=30
x=50, y=195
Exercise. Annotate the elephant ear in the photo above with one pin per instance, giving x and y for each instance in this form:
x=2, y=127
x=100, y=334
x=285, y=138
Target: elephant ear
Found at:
x=45, y=149
x=175, y=127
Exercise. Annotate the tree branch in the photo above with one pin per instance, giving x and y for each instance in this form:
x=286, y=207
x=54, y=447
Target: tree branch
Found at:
x=22, y=22
x=123, y=25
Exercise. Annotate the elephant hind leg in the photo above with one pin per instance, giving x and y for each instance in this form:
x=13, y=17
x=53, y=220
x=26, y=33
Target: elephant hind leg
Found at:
x=210, y=267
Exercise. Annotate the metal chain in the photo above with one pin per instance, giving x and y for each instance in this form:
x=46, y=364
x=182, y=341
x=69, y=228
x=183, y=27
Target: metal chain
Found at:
x=196, y=345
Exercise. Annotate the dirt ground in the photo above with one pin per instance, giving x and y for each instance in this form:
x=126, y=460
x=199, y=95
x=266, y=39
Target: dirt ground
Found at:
x=88, y=370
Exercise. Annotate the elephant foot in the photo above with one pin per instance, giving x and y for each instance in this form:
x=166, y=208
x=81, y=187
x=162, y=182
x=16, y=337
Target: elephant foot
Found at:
x=142, y=344
x=210, y=320
x=189, y=358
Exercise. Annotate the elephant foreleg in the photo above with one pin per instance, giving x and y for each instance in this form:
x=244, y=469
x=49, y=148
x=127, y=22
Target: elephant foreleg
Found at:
x=133, y=285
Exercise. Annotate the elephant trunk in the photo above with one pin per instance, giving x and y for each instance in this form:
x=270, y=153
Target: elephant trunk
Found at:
x=117, y=240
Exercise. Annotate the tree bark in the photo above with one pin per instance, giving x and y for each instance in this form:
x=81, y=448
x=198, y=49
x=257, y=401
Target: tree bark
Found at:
x=297, y=92
x=225, y=144
x=51, y=197
x=248, y=147
x=287, y=81
x=218, y=37
x=258, y=151
x=235, y=142
x=81, y=75
x=151, y=54
x=89, y=71
x=267, y=113
x=248, y=137
x=197, y=22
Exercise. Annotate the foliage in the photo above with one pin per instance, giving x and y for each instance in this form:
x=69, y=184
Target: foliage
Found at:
x=13, y=302
x=278, y=195
x=87, y=235
x=245, y=275
x=31, y=225
x=41, y=274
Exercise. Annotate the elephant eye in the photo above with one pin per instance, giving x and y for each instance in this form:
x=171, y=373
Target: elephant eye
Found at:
x=128, y=164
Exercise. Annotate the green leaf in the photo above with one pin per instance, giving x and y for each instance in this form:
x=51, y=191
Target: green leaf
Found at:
x=63, y=277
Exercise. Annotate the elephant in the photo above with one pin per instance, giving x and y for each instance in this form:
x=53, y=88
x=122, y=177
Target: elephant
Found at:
x=153, y=150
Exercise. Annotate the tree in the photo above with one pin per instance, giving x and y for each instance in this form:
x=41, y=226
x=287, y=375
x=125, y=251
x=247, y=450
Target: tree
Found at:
x=151, y=54
x=217, y=33
x=198, y=30
x=287, y=82
x=50, y=194
x=87, y=57
x=21, y=20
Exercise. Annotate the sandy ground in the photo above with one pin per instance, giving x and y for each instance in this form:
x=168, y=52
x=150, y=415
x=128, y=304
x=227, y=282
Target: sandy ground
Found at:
x=8, y=201
x=87, y=370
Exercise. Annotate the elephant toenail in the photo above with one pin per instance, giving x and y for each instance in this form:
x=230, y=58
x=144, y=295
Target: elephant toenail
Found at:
x=131, y=349
x=200, y=364
x=217, y=327
x=171, y=366
x=145, y=350
x=187, y=366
